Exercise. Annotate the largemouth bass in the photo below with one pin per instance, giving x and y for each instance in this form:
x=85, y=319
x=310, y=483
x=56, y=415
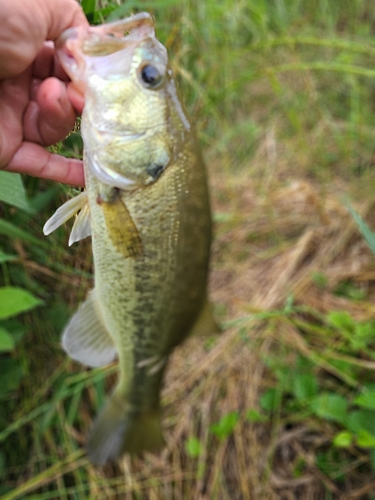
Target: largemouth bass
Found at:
x=146, y=207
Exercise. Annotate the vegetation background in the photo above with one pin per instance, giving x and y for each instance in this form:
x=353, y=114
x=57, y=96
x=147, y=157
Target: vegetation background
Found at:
x=281, y=404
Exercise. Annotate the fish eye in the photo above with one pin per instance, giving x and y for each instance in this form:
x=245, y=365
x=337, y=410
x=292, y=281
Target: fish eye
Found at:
x=150, y=76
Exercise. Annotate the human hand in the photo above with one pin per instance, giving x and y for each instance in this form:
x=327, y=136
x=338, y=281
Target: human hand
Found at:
x=37, y=103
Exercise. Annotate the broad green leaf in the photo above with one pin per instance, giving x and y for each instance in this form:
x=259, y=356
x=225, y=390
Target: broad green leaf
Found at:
x=368, y=386
x=365, y=439
x=6, y=341
x=16, y=329
x=330, y=406
x=343, y=439
x=73, y=144
x=305, y=386
x=366, y=400
x=270, y=399
x=12, y=190
x=225, y=426
x=15, y=300
x=346, y=367
x=361, y=420
x=193, y=447
x=341, y=320
x=363, y=336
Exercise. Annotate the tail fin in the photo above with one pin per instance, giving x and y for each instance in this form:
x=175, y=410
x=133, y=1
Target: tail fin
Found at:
x=117, y=430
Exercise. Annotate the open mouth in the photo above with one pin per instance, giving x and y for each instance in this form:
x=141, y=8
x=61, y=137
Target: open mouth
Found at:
x=106, y=39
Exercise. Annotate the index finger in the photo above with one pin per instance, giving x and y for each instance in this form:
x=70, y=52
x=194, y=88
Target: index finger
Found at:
x=34, y=160
x=63, y=14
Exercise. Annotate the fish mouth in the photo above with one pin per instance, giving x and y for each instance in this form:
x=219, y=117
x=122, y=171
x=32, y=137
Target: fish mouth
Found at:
x=108, y=176
x=77, y=44
x=109, y=37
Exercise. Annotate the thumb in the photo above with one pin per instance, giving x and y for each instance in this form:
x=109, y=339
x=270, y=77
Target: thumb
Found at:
x=27, y=24
x=63, y=14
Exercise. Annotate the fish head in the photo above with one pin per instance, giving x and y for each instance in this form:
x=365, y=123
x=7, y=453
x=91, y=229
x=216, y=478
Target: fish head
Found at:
x=133, y=123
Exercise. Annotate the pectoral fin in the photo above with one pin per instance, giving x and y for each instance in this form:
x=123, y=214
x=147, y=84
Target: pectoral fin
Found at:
x=205, y=324
x=86, y=338
x=82, y=225
x=121, y=229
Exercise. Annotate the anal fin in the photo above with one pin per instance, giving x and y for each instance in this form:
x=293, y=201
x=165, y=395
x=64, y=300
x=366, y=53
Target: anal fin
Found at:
x=86, y=338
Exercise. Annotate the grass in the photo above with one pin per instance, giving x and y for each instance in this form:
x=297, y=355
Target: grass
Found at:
x=281, y=404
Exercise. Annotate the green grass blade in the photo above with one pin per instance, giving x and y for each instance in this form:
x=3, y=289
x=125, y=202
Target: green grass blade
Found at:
x=72, y=462
x=12, y=231
x=363, y=227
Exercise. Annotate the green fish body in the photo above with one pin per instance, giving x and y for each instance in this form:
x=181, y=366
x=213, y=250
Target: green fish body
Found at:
x=146, y=206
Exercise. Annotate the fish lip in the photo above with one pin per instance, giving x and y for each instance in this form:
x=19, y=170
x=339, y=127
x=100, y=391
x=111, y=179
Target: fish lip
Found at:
x=109, y=176
x=142, y=20
x=77, y=45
